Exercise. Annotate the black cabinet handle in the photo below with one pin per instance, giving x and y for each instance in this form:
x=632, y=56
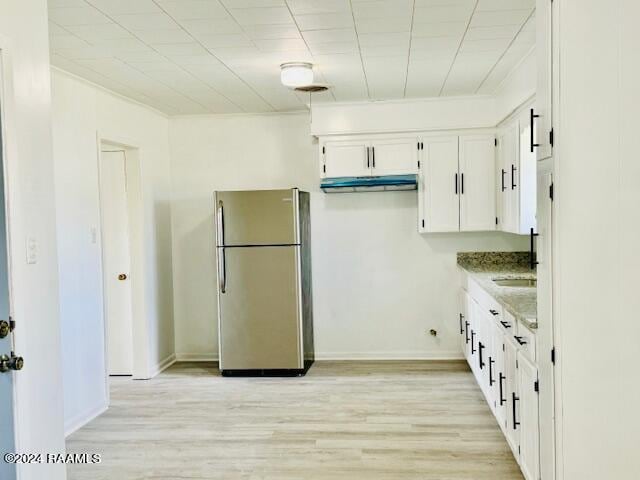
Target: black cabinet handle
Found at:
x=367, y=157
x=513, y=177
x=473, y=348
x=520, y=340
x=503, y=174
x=505, y=324
x=373, y=156
x=456, y=183
x=532, y=253
x=481, y=347
x=461, y=325
x=491, y=380
x=501, y=377
x=466, y=332
x=462, y=184
x=494, y=312
x=532, y=116
x=514, y=399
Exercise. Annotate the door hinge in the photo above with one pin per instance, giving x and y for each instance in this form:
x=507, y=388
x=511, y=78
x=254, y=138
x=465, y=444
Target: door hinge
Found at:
x=495, y=142
x=324, y=169
x=323, y=150
x=503, y=347
x=496, y=220
x=536, y=386
x=517, y=366
x=553, y=355
x=423, y=223
x=551, y=192
x=518, y=449
x=551, y=137
x=421, y=145
x=12, y=324
x=418, y=163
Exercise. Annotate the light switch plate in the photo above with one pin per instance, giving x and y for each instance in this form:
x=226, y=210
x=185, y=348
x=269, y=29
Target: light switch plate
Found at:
x=32, y=250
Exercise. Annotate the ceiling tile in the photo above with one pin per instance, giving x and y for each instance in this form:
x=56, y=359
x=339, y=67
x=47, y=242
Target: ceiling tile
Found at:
x=281, y=45
x=66, y=41
x=180, y=49
x=436, y=14
x=399, y=39
x=499, y=17
x=442, y=29
x=334, y=47
x=210, y=26
x=482, y=33
x=322, y=21
x=383, y=9
x=271, y=32
x=382, y=25
x=118, y=7
x=66, y=16
x=159, y=37
x=505, y=5
x=486, y=45
x=262, y=16
x=99, y=32
x=304, y=7
x=313, y=37
x=226, y=40
x=252, y=3
x=193, y=9
x=143, y=21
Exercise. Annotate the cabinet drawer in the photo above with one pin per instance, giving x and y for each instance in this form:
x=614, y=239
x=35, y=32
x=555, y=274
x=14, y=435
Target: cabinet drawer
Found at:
x=527, y=342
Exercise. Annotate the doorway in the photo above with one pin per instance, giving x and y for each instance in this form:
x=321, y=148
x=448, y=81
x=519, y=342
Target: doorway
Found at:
x=116, y=257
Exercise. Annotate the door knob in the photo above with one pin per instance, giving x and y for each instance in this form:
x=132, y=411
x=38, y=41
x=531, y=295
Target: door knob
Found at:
x=10, y=363
x=4, y=328
x=122, y=276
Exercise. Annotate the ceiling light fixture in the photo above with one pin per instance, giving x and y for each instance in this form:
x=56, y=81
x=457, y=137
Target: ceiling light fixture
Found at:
x=296, y=74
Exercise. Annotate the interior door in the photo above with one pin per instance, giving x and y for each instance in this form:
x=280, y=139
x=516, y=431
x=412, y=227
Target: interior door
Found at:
x=440, y=184
x=394, y=156
x=7, y=436
x=259, y=308
x=347, y=159
x=117, y=262
x=477, y=183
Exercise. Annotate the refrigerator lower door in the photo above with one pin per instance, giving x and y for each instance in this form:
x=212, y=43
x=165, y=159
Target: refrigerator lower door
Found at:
x=259, y=308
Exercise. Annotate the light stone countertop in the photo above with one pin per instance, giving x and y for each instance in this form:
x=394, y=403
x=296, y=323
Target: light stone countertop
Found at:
x=519, y=301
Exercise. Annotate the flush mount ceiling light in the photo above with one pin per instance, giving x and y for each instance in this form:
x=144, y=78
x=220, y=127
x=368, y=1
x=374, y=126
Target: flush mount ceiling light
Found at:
x=296, y=74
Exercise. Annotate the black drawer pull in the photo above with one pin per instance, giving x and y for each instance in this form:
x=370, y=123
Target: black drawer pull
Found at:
x=520, y=340
x=505, y=324
x=456, y=183
x=501, y=377
x=461, y=324
x=514, y=399
x=466, y=332
x=480, y=361
x=532, y=116
x=503, y=174
x=513, y=177
x=473, y=348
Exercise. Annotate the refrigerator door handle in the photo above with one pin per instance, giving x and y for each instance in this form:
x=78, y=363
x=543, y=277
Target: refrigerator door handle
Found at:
x=222, y=268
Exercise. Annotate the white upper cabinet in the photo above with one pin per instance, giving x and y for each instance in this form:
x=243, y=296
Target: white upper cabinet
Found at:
x=542, y=113
x=394, y=156
x=516, y=176
x=348, y=158
x=439, y=185
x=364, y=156
x=477, y=183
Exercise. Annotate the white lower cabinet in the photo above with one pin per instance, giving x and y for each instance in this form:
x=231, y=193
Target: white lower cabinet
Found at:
x=501, y=353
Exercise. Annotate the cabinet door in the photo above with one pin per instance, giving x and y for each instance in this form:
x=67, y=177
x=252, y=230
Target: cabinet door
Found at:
x=439, y=185
x=543, y=123
x=513, y=399
x=469, y=312
x=346, y=159
x=528, y=417
x=463, y=322
x=396, y=156
x=498, y=375
x=477, y=183
x=510, y=184
x=526, y=189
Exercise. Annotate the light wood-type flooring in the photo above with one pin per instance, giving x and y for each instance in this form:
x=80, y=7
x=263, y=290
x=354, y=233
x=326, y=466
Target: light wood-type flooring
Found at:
x=344, y=420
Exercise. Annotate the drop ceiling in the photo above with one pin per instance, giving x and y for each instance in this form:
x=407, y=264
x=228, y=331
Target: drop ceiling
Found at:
x=223, y=56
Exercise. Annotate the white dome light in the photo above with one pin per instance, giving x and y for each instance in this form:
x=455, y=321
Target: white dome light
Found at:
x=296, y=74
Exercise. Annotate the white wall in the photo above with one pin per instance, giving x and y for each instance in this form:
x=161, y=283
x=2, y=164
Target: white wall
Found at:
x=597, y=233
x=30, y=190
x=517, y=88
x=378, y=284
x=81, y=112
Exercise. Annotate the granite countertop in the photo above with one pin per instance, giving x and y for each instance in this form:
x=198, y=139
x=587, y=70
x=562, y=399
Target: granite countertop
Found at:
x=483, y=267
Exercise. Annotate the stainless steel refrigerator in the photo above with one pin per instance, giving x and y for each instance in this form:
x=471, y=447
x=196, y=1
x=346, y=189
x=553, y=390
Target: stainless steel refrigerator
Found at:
x=263, y=255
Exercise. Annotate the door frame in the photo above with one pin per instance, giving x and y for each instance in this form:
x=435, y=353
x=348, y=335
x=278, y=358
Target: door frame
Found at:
x=140, y=326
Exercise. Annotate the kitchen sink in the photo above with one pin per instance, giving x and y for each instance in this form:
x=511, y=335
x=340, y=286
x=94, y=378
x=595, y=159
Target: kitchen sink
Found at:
x=516, y=282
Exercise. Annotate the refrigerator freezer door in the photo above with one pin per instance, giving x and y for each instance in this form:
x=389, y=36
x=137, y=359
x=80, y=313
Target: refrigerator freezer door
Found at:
x=261, y=217
x=260, y=309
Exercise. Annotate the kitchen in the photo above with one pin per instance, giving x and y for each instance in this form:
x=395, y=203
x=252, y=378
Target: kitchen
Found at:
x=453, y=224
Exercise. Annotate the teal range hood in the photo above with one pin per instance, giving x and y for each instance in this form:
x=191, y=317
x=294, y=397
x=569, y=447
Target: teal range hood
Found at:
x=369, y=184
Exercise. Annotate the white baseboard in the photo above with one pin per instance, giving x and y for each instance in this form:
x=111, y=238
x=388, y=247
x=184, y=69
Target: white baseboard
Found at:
x=197, y=357
x=163, y=365
x=390, y=355
x=82, y=419
x=384, y=355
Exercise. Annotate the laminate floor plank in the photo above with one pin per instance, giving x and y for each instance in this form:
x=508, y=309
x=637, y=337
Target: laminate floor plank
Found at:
x=399, y=420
